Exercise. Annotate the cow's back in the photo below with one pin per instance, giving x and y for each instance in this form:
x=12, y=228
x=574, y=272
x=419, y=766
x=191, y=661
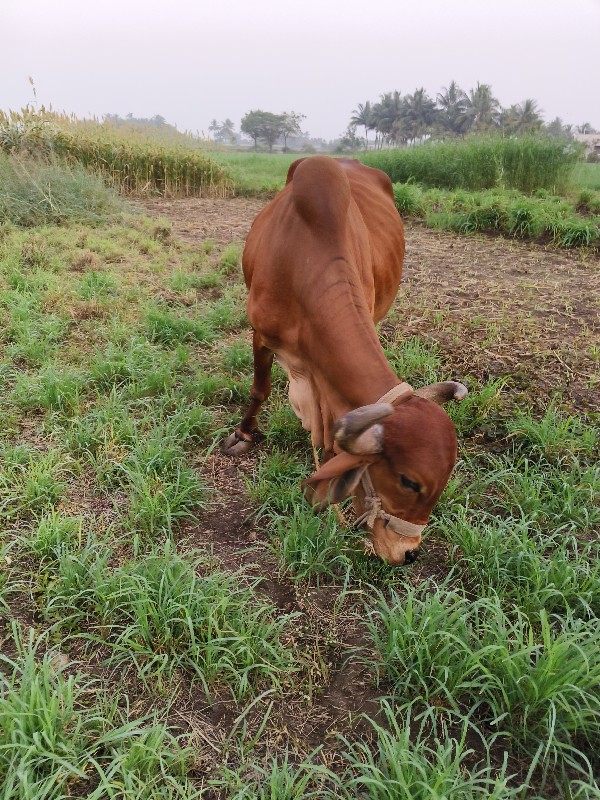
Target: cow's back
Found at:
x=329, y=208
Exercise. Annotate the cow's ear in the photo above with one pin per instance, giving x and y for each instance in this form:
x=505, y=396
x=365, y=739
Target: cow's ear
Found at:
x=335, y=480
x=292, y=169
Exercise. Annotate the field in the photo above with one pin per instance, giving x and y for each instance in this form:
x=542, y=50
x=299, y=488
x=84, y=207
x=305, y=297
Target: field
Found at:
x=178, y=624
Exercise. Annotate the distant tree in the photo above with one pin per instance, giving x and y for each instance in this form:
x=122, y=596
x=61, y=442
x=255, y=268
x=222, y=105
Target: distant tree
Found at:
x=584, y=128
x=556, y=128
x=386, y=115
x=521, y=118
x=222, y=131
x=348, y=141
x=227, y=131
x=213, y=127
x=418, y=114
x=482, y=109
x=262, y=125
x=362, y=115
x=156, y=126
x=290, y=126
x=251, y=124
x=452, y=103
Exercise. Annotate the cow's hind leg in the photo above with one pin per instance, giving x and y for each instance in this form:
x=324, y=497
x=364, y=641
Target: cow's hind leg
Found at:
x=247, y=433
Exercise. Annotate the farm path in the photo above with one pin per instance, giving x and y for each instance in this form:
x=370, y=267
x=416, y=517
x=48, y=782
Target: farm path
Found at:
x=495, y=306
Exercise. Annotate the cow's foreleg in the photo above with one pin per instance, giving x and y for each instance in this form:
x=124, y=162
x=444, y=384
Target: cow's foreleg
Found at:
x=247, y=433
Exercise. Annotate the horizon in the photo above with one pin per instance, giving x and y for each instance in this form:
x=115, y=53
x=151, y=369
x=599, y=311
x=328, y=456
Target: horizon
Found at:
x=191, y=64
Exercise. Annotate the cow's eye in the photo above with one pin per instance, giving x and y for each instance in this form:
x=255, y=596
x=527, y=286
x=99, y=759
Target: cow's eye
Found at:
x=416, y=487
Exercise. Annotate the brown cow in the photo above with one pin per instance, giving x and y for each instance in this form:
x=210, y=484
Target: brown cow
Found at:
x=322, y=263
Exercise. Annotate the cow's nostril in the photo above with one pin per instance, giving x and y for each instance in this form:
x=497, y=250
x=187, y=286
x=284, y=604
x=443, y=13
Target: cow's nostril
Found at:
x=411, y=556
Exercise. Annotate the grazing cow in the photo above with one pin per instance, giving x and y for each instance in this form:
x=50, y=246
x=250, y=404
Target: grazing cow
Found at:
x=322, y=263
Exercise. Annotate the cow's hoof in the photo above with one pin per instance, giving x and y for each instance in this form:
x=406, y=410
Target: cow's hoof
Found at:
x=238, y=443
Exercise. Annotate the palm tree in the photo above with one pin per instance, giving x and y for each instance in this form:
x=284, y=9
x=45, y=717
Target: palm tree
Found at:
x=483, y=109
x=452, y=102
x=522, y=118
x=363, y=116
x=419, y=114
x=385, y=114
x=213, y=127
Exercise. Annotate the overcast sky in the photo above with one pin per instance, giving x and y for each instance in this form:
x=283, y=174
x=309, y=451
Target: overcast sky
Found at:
x=195, y=61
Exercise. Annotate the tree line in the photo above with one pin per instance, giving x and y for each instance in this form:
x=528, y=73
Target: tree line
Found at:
x=398, y=119
x=260, y=125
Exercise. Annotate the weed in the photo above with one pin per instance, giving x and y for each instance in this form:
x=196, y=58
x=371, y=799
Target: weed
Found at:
x=230, y=259
x=414, y=360
x=404, y=762
x=96, y=285
x=52, y=533
x=276, y=485
x=537, y=687
x=554, y=435
x=309, y=545
x=168, y=329
x=163, y=614
x=50, y=390
x=280, y=778
x=60, y=734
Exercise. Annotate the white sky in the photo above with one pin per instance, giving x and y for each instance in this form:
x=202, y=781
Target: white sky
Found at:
x=195, y=61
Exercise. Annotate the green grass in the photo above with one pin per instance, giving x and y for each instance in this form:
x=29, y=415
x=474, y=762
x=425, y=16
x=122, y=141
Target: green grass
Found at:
x=587, y=176
x=37, y=193
x=508, y=212
x=525, y=163
x=310, y=546
x=60, y=733
x=166, y=616
x=256, y=172
x=533, y=684
x=31, y=482
x=406, y=762
x=125, y=356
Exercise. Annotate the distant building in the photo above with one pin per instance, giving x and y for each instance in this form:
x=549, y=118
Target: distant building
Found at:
x=591, y=142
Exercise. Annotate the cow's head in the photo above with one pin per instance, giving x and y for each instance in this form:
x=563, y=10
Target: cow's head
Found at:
x=409, y=451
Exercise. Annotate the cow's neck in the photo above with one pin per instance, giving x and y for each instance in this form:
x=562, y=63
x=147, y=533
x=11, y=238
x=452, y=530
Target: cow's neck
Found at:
x=347, y=360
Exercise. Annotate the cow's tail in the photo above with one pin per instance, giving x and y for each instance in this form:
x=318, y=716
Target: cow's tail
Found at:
x=321, y=194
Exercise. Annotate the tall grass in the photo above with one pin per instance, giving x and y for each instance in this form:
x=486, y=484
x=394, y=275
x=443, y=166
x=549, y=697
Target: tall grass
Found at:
x=37, y=192
x=525, y=163
x=127, y=160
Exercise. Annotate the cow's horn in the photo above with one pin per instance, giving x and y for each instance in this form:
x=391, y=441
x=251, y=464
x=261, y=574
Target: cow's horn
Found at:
x=357, y=431
x=443, y=392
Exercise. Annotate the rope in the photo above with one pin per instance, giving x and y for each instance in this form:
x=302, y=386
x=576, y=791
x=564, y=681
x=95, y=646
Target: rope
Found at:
x=372, y=502
x=374, y=509
x=399, y=393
